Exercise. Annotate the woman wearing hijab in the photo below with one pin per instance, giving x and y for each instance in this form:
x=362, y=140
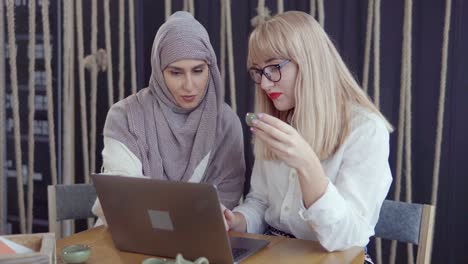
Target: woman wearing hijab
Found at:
x=178, y=128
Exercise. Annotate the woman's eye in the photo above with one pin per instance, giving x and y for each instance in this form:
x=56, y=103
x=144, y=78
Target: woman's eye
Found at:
x=198, y=71
x=175, y=73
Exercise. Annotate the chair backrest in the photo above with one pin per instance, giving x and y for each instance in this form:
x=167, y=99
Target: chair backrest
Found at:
x=408, y=223
x=69, y=202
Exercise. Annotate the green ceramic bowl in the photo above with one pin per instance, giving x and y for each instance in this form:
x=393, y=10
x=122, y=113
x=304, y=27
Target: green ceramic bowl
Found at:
x=154, y=261
x=76, y=253
x=249, y=117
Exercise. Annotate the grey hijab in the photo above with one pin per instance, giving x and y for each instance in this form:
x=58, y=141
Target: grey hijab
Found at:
x=171, y=141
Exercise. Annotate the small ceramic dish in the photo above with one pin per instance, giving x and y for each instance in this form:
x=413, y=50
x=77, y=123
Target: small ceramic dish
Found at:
x=154, y=261
x=76, y=253
x=178, y=260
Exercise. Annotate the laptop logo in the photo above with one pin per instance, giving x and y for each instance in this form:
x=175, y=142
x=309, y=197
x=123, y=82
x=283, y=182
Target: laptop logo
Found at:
x=160, y=220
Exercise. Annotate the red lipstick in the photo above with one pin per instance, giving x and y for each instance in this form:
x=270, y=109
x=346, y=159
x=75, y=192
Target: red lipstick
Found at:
x=274, y=96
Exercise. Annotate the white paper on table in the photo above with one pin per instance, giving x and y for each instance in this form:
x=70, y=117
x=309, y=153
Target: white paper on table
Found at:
x=19, y=249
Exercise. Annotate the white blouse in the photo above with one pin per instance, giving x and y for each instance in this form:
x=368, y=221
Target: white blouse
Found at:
x=119, y=160
x=345, y=216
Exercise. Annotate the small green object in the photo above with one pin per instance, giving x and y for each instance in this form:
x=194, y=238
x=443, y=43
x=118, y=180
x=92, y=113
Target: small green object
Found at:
x=178, y=260
x=154, y=261
x=76, y=253
x=249, y=118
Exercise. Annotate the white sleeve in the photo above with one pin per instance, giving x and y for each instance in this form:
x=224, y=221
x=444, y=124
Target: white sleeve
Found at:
x=256, y=202
x=119, y=160
x=347, y=213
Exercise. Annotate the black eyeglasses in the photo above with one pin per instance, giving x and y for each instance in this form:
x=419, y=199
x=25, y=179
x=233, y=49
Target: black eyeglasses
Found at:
x=272, y=72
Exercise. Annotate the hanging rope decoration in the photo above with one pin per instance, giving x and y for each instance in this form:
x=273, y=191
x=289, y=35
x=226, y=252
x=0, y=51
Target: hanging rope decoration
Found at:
x=15, y=105
x=2, y=121
x=405, y=112
x=441, y=103
x=66, y=90
x=223, y=42
x=122, y=48
x=167, y=8
x=226, y=35
x=101, y=56
x=232, y=79
x=72, y=92
x=320, y=6
x=110, y=80
x=81, y=72
x=376, y=53
x=263, y=14
x=400, y=140
x=404, y=126
x=31, y=107
x=321, y=12
x=376, y=27
x=280, y=6
x=97, y=60
x=110, y=84
x=378, y=250
x=191, y=7
x=408, y=183
x=131, y=11
x=50, y=96
x=373, y=30
x=312, y=8
x=370, y=17
x=93, y=91
x=68, y=94
x=440, y=113
x=399, y=161
x=68, y=172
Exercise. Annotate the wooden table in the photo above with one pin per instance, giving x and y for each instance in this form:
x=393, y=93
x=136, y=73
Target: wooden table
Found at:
x=280, y=250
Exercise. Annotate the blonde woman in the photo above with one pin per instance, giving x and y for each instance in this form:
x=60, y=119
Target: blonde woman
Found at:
x=321, y=146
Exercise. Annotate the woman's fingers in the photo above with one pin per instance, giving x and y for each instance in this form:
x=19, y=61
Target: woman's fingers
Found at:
x=270, y=130
x=269, y=140
x=228, y=217
x=276, y=123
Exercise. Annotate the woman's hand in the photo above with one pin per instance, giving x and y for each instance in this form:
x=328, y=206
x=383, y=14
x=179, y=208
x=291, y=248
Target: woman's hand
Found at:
x=284, y=141
x=292, y=148
x=233, y=220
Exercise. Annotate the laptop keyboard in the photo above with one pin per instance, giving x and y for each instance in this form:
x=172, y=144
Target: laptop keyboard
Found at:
x=237, y=252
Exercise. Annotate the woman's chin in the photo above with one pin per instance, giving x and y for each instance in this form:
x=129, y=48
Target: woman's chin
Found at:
x=282, y=107
x=189, y=103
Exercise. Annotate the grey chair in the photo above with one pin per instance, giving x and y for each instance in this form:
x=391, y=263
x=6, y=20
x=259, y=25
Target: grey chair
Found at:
x=69, y=202
x=408, y=223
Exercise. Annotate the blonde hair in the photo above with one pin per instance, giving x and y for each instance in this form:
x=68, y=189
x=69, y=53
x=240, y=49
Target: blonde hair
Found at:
x=324, y=88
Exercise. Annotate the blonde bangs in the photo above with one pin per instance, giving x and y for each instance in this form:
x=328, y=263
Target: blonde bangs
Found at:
x=264, y=44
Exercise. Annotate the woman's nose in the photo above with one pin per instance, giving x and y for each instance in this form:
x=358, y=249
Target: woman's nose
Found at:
x=265, y=83
x=188, y=83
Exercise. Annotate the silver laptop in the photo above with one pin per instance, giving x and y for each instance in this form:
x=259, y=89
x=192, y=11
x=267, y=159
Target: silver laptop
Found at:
x=163, y=218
